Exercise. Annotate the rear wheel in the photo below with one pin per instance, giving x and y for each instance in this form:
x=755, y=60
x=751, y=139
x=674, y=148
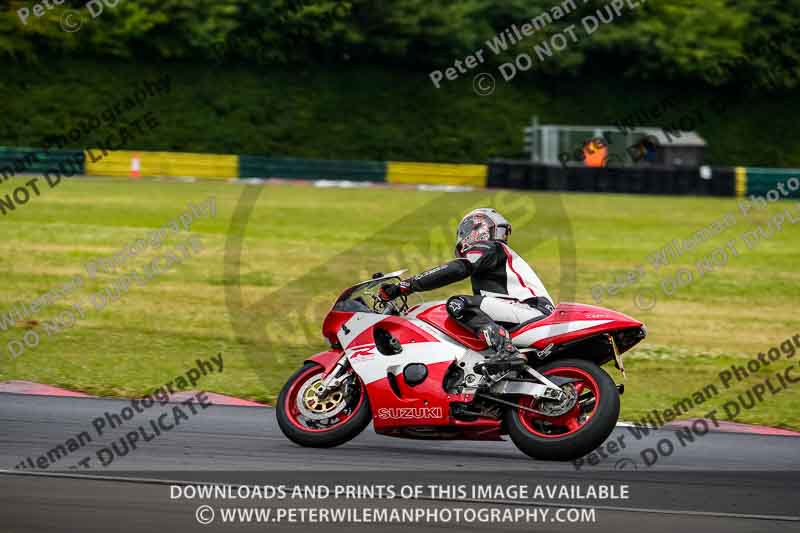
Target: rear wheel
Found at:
x=323, y=422
x=573, y=427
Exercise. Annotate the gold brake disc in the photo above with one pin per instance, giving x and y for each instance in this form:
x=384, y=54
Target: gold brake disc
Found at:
x=316, y=408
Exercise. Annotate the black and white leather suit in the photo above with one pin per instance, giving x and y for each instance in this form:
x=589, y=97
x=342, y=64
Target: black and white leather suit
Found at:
x=505, y=289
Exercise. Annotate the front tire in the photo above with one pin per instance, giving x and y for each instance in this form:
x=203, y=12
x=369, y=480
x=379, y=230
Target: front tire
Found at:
x=304, y=419
x=579, y=430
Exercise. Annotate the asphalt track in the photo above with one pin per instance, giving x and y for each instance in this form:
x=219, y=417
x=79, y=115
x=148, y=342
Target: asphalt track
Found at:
x=717, y=482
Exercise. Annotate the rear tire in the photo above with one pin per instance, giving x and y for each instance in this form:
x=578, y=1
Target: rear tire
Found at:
x=565, y=438
x=327, y=433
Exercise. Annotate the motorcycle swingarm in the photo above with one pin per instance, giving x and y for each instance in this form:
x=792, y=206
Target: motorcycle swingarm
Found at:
x=527, y=388
x=561, y=380
x=506, y=402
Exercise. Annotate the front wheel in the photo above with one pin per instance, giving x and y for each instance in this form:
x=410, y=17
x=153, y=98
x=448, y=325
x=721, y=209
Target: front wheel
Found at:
x=322, y=422
x=570, y=428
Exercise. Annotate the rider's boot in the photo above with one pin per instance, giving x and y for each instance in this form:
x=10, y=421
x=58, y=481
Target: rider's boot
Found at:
x=506, y=354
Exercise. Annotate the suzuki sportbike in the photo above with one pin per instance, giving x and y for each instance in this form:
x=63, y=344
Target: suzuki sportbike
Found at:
x=416, y=373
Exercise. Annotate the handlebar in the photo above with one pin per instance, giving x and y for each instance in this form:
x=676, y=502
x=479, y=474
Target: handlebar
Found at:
x=390, y=307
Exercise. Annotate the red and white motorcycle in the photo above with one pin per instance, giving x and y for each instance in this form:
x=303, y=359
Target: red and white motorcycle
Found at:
x=416, y=373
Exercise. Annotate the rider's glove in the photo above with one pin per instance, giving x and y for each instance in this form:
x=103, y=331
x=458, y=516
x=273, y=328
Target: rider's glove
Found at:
x=389, y=292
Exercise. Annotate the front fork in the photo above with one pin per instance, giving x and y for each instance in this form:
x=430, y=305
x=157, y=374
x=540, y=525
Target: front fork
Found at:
x=335, y=377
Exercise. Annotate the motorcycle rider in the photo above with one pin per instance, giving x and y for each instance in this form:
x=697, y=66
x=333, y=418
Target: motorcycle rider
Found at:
x=505, y=287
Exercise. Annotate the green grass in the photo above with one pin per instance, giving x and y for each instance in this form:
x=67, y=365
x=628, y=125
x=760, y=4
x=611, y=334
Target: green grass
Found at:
x=303, y=245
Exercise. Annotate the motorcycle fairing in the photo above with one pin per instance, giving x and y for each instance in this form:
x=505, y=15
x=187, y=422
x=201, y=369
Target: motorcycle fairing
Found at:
x=394, y=402
x=566, y=323
x=437, y=316
x=569, y=322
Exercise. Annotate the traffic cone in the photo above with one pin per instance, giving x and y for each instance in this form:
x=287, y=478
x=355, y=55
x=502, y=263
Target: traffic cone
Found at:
x=136, y=167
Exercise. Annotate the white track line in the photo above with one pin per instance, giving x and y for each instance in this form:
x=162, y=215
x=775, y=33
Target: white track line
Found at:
x=156, y=481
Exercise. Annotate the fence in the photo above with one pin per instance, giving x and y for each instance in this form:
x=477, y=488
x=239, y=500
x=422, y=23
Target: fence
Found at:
x=640, y=179
x=437, y=174
x=507, y=174
x=758, y=181
x=171, y=164
x=310, y=169
x=15, y=161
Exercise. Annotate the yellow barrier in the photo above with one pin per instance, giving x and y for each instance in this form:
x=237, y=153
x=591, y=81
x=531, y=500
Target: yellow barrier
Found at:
x=436, y=174
x=171, y=164
x=741, y=181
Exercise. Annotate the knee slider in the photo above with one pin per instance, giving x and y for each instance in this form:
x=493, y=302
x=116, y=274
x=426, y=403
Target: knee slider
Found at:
x=456, y=306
